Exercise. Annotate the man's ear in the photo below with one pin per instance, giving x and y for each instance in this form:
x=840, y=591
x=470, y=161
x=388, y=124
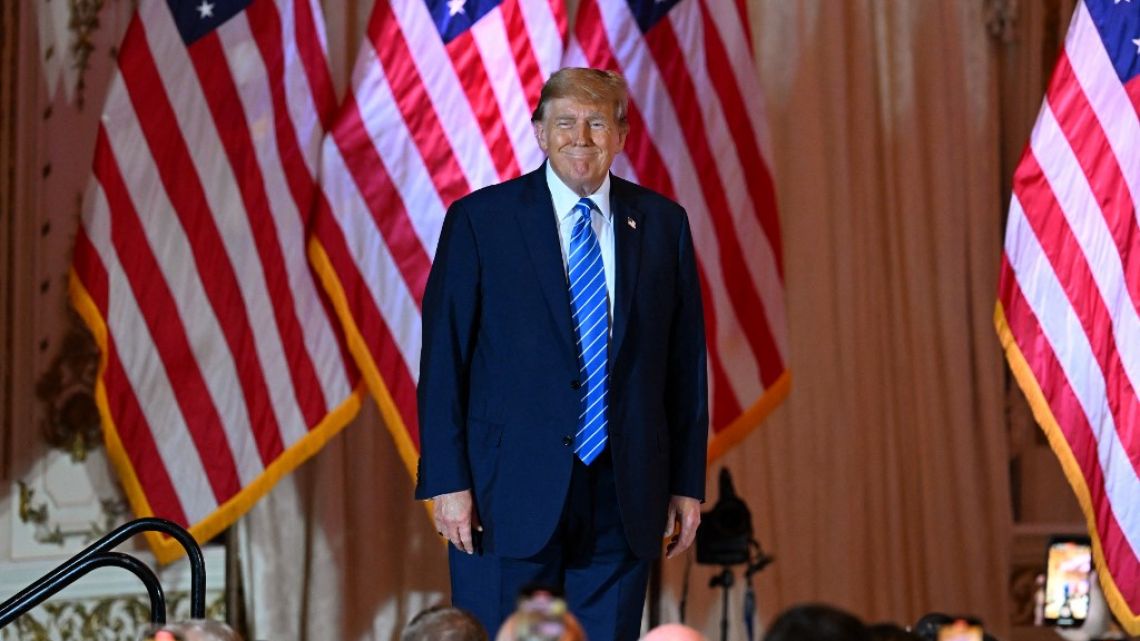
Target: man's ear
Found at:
x=540, y=134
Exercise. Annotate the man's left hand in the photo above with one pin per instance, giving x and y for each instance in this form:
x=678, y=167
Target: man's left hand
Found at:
x=685, y=511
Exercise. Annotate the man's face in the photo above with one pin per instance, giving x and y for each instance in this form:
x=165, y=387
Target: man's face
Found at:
x=581, y=140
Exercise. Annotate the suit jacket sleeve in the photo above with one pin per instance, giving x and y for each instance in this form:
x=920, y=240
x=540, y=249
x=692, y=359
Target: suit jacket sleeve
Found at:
x=687, y=382
x=450, y=314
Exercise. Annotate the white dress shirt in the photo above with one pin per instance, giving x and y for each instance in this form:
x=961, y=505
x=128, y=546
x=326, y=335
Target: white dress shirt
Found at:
x=564, y=200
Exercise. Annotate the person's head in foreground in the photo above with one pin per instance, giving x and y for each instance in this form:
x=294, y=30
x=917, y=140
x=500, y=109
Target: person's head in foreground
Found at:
x=816, y=622
x=541, y=617
x=674, y=632
x=890, y=632
x=194, y=630
x=444, y=623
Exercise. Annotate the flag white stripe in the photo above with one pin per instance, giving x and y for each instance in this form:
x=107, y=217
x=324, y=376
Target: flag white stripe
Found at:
x=759, y=257
x=318, y=334
x=226, y=206
x=543, y=28
x=494, y=44
x=447, y=96
x=725, y=16
x=299, y=97
x=575, y=57
x=176, y=260
x=373, y=258
x=398, y=152
x=1076, y=199
x=146, y=372
x=649, y=93
x=1063, y=330
x=1107, y=97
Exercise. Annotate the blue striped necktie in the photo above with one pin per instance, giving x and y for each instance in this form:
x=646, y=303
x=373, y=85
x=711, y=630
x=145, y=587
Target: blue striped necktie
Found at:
x=590, y=308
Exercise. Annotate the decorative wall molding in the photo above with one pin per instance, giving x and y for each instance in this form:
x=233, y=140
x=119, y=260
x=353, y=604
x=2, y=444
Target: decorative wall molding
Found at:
x=66, y=389
x=119, y=618
x=62, y=504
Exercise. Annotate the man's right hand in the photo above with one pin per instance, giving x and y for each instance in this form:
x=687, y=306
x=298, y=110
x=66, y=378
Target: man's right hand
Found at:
x=455, y=518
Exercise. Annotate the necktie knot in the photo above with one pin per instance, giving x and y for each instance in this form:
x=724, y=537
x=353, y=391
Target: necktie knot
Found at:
x=585, y=207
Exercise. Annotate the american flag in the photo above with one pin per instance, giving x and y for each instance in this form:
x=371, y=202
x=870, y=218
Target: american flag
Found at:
x=697, y=136
x=222, y=366
x=1068, y=310
x=440, y=106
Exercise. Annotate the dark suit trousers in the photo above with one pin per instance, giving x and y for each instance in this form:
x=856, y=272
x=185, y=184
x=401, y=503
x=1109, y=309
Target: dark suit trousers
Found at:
x=588, y=557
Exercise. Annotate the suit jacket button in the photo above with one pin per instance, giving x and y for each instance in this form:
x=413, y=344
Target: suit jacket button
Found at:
x=567, y=440
x=575, y=384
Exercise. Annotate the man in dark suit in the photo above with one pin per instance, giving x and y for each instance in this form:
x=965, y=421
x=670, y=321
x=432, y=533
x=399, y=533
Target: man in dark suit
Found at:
x=562, y=396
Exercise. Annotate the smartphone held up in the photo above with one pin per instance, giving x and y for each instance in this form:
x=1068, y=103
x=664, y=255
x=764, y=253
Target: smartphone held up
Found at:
x=1068, y=563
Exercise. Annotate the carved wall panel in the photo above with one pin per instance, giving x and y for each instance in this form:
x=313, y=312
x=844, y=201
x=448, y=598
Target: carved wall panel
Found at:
x=109, y=604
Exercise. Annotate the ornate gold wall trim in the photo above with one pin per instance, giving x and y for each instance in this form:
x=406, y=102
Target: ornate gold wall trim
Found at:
x=112, y=618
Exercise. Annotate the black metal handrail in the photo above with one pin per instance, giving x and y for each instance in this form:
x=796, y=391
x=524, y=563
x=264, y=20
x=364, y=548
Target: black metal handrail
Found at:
x=99, y=554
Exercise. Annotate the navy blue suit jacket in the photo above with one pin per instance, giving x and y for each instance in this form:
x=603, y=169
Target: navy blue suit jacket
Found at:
x=498, y=399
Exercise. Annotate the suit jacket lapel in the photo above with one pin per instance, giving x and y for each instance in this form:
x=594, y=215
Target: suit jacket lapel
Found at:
x=536, y=217
x=628, y=225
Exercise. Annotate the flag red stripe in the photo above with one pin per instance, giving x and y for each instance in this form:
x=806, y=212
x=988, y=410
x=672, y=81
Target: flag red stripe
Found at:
x=724, y=404
x=415, y=105
x=476, y=85
x=522, y=49
x=89, y=268
x=179, y=176
x=138, y=441
x=155, y=303
x=312, y=53
x=1086, y=137
x=373, y=328
x=1034, y=345
x=1067, y=257
x=180, y=179
x=1132, y=89
x=652, y=173
x=226, y=108
x=749, y=308
x=265, y=25
x=745, y=22
x=732, y=102
x=382, y=198
x=558, y=8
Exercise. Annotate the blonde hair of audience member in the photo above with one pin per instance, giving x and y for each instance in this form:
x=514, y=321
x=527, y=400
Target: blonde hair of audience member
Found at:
x=444, y=623
x=541, y=617
x=674, y=632
x=193, y=630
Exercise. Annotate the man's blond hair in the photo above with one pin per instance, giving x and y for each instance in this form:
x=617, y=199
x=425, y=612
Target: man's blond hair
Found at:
x=587, y=85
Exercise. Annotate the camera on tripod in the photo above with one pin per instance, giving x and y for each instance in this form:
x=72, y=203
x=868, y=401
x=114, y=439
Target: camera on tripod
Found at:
x=725, y=535
x=725, y=539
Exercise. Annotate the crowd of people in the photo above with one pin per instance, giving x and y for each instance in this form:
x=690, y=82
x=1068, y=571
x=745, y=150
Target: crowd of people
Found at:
x=543, y=615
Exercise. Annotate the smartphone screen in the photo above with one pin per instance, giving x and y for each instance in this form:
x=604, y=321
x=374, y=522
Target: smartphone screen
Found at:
x=1067, y=566
x=960, y=630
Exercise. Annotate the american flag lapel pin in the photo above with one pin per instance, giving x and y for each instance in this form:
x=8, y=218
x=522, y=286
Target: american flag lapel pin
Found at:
x=631, y=222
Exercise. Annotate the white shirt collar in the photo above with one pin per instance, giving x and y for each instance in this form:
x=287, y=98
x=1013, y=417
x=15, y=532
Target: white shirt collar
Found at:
x=565, y=198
